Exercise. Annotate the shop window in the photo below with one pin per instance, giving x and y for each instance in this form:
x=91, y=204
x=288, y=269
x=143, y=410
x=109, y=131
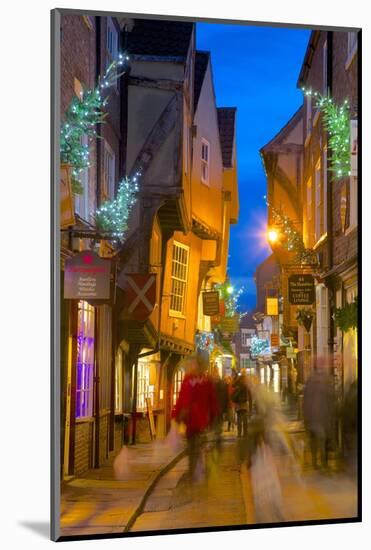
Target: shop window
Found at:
x=318, y=225
x=309, y=214
x=205, y=161
x=118, y=382
x=85, y=360
x=104, y=355
x=179, y=273
x=145, y=389
x=108, y=191
x=178, y=379
x=322, y=311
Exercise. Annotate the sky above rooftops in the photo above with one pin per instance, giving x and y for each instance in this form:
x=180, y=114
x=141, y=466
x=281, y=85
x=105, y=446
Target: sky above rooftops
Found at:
x=255, y=69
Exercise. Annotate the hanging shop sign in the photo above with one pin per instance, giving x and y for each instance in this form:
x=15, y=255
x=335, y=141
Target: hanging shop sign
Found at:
x=301, y=290
x=229, y=324
x=66, y=198
x=272, y=306
x=87, y=276
x=140, y=296
x=210, y=302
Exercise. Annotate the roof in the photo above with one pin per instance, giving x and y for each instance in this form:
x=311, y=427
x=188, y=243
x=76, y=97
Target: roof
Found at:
x=160, y=38
x=307, y=62
x=226, y=122
x=284, y=131
x=201, y=63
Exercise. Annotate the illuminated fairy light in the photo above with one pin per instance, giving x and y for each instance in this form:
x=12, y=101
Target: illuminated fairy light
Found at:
x=81, y=118
x=336, y=120
x=112, y=217
x=231, y=297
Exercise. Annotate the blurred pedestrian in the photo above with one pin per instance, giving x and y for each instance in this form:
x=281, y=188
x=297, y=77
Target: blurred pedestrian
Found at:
x=197, y=408
x=242, y=399
x=349, y=418
x=230, y=408
x=221, y=390
x=319, y=411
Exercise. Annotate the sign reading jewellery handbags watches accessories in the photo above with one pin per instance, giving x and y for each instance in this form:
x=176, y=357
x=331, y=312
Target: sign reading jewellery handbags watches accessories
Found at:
x=301, y=290
x=87, y=276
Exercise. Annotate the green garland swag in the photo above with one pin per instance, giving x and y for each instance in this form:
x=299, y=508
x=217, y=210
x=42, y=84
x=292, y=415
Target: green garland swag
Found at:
x=346, y=317
x=336, y=120
x=81, y=119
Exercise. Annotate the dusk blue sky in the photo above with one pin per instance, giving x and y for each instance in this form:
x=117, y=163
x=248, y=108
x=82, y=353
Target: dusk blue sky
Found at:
x=255, y=69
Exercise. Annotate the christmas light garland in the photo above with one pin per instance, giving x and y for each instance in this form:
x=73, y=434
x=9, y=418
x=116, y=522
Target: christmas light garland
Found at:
x=258, y=346
x=231, y=297
x=336, y=120
x=82, y=117
x=293, y=241
x=112, y=217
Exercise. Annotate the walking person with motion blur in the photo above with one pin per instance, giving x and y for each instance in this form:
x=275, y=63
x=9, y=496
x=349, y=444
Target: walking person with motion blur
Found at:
x=319, y=411
x=241, y=397
x=197, y=408
x=221, y=390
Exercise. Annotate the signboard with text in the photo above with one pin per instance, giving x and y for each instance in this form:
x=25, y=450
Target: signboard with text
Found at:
x=210, y=303
x=230, y=324
x=301, y=290
x=87, y=276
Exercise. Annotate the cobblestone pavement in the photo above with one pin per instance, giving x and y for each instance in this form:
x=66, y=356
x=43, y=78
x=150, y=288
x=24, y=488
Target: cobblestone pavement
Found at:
x=97, y=503
x=228, y=497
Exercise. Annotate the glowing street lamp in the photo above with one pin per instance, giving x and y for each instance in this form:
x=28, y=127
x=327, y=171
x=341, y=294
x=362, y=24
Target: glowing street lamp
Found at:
x=230, y=289
x=273, y=236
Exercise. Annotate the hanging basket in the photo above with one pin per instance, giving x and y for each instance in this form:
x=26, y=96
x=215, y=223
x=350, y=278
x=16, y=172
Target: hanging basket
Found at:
x=305, y=317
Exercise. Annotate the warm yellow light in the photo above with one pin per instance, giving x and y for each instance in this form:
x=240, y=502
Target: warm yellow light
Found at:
x=273, y=236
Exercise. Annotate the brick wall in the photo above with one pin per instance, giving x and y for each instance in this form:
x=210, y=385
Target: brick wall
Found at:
x=345, y=86
x=83, y=447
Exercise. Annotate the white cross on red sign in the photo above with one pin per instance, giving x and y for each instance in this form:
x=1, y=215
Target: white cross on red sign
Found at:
x=140, y=295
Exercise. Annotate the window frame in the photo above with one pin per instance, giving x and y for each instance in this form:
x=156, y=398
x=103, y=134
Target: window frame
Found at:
x=352, y=47
x=180, y=282
x=318, y=202
x=108, y=190
x=85, y=376
x=112, y=50
x=205, y=162
x=309, y=211
x=178, y=378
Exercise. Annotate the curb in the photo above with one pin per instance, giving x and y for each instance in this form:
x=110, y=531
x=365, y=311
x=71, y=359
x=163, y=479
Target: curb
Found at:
x=156, y=477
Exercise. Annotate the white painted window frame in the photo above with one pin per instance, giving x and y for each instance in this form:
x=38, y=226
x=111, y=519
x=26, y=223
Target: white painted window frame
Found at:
x=179, y=278
x=205, y=162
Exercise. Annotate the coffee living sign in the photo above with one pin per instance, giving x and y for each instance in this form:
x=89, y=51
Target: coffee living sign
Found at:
x=301, y=290
x=87, y=276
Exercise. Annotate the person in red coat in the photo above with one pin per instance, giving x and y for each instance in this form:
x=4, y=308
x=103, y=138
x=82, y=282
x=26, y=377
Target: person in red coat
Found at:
x=197, y=407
